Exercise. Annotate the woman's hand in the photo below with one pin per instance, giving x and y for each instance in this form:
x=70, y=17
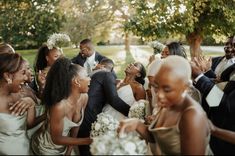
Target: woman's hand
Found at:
x=149, y=119
x=41, y=77
x=21, y=106
x=151, y=59
x=211, y=126
x=127, y=125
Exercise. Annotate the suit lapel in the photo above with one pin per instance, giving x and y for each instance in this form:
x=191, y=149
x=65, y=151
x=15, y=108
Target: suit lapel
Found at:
x=215, y=62
x=225, y=75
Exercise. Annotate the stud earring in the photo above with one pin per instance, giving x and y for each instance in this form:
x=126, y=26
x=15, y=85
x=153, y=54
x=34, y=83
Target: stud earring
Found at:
x=9, y=81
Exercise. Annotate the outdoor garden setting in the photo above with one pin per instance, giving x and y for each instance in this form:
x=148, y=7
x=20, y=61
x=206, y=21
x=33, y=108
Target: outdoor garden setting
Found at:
x=117, y=77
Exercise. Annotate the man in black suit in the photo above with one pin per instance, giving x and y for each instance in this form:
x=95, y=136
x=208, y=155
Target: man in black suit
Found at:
x=102, y=91
x=87, y=57
x=218, y=100
x=220, y=64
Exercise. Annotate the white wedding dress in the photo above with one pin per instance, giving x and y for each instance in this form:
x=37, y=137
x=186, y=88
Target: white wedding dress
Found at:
x=126, y=94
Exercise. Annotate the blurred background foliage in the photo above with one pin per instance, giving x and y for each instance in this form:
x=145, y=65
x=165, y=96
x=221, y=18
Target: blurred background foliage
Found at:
x=27, y=24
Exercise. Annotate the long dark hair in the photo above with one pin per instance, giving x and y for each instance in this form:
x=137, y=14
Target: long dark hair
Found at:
x=59, y=81
x=10, y=62
x=40, y=61
x=140, y=79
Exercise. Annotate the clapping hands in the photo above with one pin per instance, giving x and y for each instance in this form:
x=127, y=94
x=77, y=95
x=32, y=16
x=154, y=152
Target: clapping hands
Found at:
x=200, y=65
x=203, y=63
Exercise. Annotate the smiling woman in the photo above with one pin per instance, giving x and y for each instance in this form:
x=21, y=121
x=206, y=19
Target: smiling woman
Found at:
x=65, y=100
x=13, y=139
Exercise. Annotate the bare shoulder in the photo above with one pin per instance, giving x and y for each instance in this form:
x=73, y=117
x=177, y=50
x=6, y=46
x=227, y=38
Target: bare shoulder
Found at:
x=137, y=86
x=138, y=90
x=58, y=106
x=58, y=109
x=193, y=113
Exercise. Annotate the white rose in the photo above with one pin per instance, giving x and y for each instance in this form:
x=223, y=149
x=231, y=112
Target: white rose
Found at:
x=101, y=147
x=97, y=126
x=105, y=121
x=118, y=152
x=111, y=127
x=130, y=147
x=141, y=104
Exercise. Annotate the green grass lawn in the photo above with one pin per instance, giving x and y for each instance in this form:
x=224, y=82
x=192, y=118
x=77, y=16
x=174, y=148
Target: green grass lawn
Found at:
x=113, y=52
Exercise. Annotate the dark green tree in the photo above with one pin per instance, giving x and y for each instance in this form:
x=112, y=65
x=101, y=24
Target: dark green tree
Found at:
x=192, y=18
x=28, y=23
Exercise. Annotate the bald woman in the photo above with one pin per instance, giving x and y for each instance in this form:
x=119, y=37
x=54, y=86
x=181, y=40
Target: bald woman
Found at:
x=180, y=126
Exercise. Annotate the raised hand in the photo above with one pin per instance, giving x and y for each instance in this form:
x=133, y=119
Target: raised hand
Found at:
x=204, y=63
x=196, y=70
x=21, y=106
x=151, y=58
x=41, y=77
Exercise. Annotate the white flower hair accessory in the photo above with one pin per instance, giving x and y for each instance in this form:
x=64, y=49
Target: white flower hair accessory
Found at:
x=157, y=46
x=58, y=40
x=111, y=144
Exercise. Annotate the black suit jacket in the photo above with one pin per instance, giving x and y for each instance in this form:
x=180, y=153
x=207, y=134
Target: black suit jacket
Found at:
x=215, y=62
x=222, y=116
x=225, y=75
x=81, y=60
x=102, y=90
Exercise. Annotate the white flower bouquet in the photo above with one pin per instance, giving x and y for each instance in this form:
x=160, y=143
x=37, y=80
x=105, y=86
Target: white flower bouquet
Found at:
x=111, y=144
x=103, y=124
x=58, y=40
x=138, y=109
x=157, y=46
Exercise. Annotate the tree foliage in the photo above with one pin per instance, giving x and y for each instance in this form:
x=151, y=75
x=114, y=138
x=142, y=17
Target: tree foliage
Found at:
x=28, y=23
x=193, y=18
x=88, y=18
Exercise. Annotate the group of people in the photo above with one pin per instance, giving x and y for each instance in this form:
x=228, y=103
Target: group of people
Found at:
x=189, y=101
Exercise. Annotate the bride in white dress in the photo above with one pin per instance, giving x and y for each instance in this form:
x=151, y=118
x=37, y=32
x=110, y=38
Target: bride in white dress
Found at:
x=130, y=89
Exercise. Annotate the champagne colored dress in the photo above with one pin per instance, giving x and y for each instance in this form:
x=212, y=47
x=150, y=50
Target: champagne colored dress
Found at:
x=168, y=138
x=41, y=142
x=13, y=137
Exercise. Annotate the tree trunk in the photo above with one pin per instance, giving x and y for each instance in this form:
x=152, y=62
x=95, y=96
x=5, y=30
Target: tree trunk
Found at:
x=194, y=40
x=127, y=42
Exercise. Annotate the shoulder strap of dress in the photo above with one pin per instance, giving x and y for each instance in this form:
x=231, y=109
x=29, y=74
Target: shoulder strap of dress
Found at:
x=82, y=116
x=186, y=109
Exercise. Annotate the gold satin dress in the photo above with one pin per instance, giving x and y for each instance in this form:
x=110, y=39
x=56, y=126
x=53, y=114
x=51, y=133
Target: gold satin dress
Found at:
x=42, y=144
x=168, y=139
x=13, y=136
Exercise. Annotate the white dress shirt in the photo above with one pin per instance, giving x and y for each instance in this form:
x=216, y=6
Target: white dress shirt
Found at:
x=90, y=63
x=224, y=64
